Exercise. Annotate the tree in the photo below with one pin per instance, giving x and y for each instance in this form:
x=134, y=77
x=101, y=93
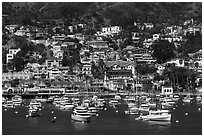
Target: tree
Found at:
x=145, y=69
x=193, y=43
x=14, y=82
x=163, y=51
x=180, y=77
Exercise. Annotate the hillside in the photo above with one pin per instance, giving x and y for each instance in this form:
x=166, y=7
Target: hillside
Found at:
x=109, y=13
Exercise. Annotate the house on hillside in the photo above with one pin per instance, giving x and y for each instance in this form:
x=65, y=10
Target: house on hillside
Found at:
x=86, y=69
x=177, y=62
x=112, y=30
x=53, y=62
x=119, y=74
x=11, y=54
x=167, y=90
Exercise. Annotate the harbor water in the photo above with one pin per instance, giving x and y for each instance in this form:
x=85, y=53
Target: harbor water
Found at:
x=186, y=120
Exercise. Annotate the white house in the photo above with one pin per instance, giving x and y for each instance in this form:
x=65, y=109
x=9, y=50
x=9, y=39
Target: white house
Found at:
x=149, y=25
x=167, y=90
x=178, y=62
x=11, y=54
x=86, y=69
x=53, y=73
x=20, y=32
x=111, y=30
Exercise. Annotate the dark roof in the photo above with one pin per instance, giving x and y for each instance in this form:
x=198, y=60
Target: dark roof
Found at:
x=118, y=62
x=119, y=72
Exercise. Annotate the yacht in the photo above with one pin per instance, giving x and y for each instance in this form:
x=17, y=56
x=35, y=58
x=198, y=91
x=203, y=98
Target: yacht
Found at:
x=101, y=103
x=167, y=103
x=8, y=104
x=67, y=106
x=32, y=112
x=17, y=100
x=76, y=101
x=93, y=111
x=176, y=98
x=144, y=108
x=81, y=114
x=50, y=99
x=158, y=115
x=113, y=102
x=35, y=104
x=86, y=102
x=132, y=111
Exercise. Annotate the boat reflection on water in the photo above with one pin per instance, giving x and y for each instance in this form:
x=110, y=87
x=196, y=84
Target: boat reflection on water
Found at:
x=79, y=125
x=159, y=123
x=33, y=121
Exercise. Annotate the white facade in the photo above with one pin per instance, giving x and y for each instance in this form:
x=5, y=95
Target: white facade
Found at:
x=111, y=30
x=167, y=90
x=177, y=62
x=53, y=73
x=20, y=32
x=86, y=69
x=11, y=54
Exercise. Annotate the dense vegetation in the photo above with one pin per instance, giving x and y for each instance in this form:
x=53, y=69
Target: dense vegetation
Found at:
x=100, y=13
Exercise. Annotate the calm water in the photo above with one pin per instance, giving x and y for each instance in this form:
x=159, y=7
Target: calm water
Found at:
x=107, y=123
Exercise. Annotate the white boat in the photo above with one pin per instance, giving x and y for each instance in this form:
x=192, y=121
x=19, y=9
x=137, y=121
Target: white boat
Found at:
x=117, y=97
x=159, y=115
x=152, y=105
x=32, y=112
x=187, y=99
x=175, y=97
x=81, y=114
x=167, y=102
x=17, y=100
x=113, y=102
x=8, y=104
x=101, y=103
x=50, y=99
x=93, y=111
x=35, y=104
x=86, y=103
x=199, y=99
x=132, y=111
x=144, y=108
x=59, y=103
x=67, y=106
x=76, y=101
x=131, y=104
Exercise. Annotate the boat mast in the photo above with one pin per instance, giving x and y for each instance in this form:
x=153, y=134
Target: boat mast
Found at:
x=135, y=80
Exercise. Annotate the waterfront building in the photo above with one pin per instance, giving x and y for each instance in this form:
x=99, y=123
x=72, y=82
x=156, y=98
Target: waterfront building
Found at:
x=119, y=74
x=11, y=91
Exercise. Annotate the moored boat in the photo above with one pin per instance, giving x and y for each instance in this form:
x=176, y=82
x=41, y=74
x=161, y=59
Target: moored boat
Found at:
x=17, y=100
x=33, y=112
x=35, y=104
x=113, y=102
x=132, y=111
x=93, y=111
x=158, y=115
x=81, y=114
x=8, y=104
